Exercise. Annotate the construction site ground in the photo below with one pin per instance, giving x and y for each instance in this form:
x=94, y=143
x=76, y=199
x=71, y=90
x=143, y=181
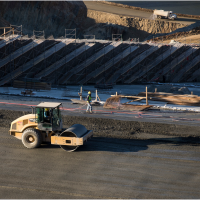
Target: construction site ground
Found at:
x=186, y=40
x=149, y=154
x=152, y=154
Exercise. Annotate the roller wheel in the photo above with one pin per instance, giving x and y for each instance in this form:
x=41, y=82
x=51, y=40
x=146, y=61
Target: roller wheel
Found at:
x=67, y=147
x=31, y=138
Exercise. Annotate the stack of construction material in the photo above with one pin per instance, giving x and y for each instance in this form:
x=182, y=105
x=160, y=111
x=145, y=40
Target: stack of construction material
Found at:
x=115, y=103
x=188, y=100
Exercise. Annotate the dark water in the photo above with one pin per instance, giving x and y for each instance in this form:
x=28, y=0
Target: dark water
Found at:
x=184, y=7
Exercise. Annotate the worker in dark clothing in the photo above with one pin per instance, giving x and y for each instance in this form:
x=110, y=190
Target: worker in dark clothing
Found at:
x=47, y=114
x=89, y=100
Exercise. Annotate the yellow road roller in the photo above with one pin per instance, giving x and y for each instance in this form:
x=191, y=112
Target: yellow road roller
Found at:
x=45, y=125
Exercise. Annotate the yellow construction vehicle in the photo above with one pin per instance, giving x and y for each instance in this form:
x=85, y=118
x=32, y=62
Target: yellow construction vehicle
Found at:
x=45, y=125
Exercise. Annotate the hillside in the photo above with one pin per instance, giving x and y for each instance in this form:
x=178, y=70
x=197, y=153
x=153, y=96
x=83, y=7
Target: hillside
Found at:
x=51, y=16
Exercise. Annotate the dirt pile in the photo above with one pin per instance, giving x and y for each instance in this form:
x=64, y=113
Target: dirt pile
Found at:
x=115, y=103
x=169, y=89
x=51, y=16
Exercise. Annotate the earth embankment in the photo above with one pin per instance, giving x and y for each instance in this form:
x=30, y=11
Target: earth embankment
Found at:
x=137, y=22
x=142, y=24
x=89, y=18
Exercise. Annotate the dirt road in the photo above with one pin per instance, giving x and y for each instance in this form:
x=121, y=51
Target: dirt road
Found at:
x=153, y=167
x=130, y=12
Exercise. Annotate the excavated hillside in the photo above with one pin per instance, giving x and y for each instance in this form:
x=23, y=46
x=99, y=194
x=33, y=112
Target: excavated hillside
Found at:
x=107, y=24
x=142, y=24
x=51, y=16
x=135, y=22
x=55, y=16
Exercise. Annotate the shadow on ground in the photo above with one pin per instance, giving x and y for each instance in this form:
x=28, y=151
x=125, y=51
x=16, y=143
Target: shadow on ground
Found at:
x=129, y=145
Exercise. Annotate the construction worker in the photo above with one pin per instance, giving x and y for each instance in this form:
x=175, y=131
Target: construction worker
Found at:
x=47, y=114
x=89, y=100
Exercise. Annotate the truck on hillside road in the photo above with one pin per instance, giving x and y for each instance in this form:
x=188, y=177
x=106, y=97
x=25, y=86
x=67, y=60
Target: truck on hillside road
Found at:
x=160, y=14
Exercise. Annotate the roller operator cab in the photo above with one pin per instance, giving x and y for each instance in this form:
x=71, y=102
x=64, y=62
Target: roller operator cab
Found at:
x=45, y=125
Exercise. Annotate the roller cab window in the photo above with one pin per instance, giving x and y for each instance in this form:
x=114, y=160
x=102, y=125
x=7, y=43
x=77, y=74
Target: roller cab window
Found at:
x=56, y=117
x=49, y=116
x=44, y=118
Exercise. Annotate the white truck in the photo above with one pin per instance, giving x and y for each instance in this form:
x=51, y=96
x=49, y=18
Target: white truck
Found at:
x=159, y=14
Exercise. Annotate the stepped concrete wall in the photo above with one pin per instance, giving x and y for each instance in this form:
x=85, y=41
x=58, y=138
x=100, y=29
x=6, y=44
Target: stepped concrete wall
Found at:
x=141, y=65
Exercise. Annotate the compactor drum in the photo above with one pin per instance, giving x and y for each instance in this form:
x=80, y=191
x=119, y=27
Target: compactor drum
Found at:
x=45, y=125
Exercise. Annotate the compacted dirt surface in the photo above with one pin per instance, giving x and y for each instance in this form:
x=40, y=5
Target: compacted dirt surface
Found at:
x=124, y=159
